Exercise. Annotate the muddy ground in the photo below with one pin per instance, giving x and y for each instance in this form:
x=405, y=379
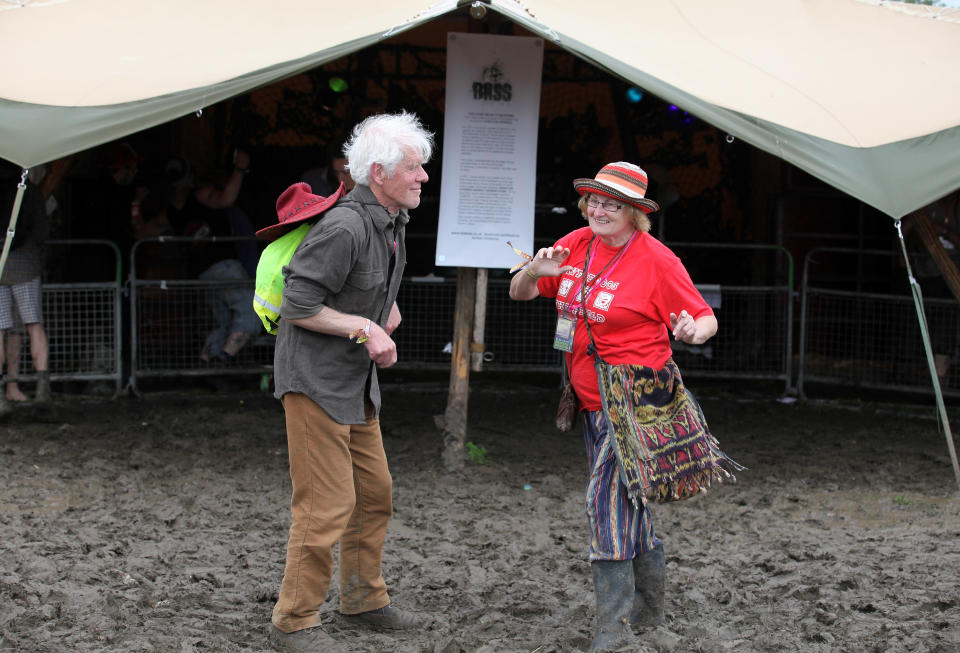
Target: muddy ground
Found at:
x=159, y=524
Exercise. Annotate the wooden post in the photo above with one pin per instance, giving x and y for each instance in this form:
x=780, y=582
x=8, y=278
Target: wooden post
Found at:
x=477, y=347
x=455, y=417
x=948, y=270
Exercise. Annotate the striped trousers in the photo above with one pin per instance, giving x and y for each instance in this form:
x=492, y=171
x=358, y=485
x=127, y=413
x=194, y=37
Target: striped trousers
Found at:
x=619, y=530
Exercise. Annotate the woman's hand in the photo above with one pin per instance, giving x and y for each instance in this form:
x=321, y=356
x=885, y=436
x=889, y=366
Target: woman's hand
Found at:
x=693, y=332
x=548, y=262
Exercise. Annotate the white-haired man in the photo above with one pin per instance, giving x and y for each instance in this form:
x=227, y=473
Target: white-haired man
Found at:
x=338, y=311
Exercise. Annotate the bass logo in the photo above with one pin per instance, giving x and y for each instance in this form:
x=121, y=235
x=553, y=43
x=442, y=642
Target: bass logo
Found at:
x=492, y=84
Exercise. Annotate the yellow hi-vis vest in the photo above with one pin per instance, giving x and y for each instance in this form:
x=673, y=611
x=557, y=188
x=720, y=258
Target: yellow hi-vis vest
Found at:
x=268, y=293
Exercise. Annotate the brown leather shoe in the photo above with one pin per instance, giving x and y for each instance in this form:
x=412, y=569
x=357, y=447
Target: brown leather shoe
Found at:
x=388, y=618
x=308, y=640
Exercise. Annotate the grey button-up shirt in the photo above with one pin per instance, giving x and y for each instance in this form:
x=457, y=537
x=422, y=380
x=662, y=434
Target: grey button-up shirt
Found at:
x=352, y=261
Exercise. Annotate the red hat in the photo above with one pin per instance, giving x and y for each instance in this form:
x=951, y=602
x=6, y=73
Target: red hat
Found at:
x=297, y=204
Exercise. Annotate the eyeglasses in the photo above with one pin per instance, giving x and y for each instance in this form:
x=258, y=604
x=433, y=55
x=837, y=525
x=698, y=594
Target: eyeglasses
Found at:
x=609, y=207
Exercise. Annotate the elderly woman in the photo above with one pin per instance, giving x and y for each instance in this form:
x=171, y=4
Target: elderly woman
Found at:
x=620, y=294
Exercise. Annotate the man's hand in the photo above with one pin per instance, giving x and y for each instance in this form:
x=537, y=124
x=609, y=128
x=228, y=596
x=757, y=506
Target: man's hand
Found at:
x=393, y=320
x=381, y=347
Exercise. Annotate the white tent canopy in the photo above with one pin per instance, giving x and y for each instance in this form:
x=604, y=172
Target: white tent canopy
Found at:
x=863, y=94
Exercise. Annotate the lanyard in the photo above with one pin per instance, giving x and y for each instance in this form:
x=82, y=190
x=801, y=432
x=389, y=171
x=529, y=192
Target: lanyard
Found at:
x=599, y=278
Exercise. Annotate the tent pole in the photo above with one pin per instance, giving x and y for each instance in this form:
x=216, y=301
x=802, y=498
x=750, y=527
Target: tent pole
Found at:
x=12, y=227
x=922, y=319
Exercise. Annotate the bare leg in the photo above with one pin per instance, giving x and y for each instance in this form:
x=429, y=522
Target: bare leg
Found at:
x=13, y=346
x=39, y=354
x=38, y=346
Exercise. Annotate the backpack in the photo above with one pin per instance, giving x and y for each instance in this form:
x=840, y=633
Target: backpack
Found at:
x=268, y=293
x=297, y=203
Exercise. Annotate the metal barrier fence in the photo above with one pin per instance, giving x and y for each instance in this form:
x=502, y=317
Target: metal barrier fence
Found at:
x=518, y=335
x=858, y=338
x=848, y=334
x=755, y=338
x=82, y=318
x=754, y=341
x=171, y=317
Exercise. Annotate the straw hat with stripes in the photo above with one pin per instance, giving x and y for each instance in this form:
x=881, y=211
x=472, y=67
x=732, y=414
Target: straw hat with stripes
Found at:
x=622, y=181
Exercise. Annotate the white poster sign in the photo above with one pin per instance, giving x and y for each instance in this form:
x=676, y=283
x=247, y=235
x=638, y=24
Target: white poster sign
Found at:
x=489, y=149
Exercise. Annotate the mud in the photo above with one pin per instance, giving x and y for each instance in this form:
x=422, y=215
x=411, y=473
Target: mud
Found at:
x=159, y=524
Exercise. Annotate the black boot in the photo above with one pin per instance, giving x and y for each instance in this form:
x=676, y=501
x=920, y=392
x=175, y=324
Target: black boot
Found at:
x=43, y=387
x=613, y=586
x=649, y=571
x=5, y=406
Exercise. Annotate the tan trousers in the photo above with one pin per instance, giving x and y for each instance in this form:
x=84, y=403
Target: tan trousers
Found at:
x=341, y=492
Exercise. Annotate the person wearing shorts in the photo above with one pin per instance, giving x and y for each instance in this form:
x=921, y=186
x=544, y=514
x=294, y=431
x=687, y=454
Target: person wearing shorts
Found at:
x=20, y=290
x=20, y=304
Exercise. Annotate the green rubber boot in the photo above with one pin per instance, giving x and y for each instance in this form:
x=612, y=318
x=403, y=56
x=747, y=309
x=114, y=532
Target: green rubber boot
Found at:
x=649, y=572
x=613, y=586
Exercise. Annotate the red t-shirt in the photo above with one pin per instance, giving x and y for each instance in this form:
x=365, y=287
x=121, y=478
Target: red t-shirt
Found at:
x=628, y=307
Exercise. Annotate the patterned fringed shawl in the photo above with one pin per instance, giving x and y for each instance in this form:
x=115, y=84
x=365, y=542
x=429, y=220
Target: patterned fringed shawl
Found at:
x=664, y=449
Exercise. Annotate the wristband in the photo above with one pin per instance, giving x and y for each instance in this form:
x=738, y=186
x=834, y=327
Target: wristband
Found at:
x=361, y=335
x=531, y=274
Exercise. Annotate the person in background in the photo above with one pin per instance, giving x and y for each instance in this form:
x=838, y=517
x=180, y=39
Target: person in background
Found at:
x=230, y=307
x=618, y=287
x=337, y=316
x=201, y=208
x=13, y=348
x=20, y=285
x=324, y=180
x=107, y=208
x=202, y=211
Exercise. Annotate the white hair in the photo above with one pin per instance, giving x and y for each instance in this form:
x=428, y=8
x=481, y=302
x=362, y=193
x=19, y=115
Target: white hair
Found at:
x=385, y=139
